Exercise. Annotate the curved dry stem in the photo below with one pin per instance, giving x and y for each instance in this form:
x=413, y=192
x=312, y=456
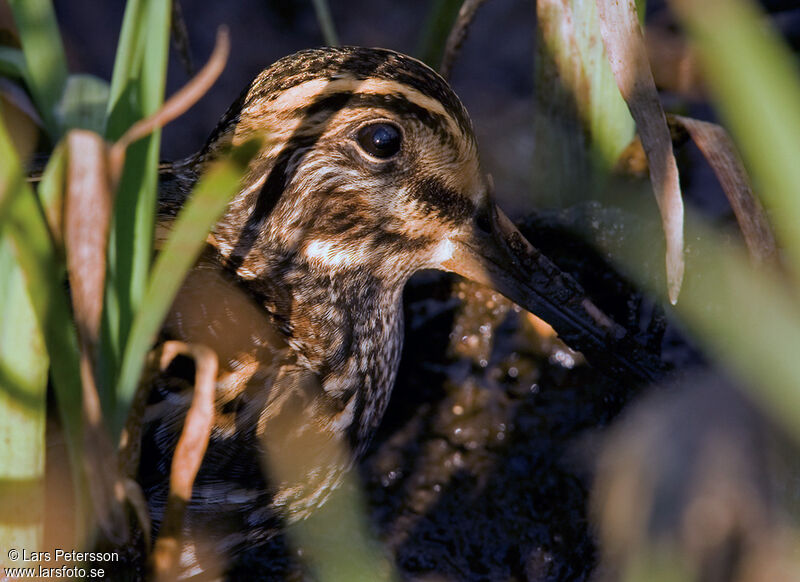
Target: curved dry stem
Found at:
x=457, y=35
x=180, y=38
x=188, y=454
x=624, y=43
x=721, y=154
x=175, y=106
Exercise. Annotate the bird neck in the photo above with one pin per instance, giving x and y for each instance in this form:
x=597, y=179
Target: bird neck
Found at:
x=344, y=325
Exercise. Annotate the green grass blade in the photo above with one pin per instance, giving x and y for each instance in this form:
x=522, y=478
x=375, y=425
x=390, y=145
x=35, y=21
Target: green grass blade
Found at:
x=139, y=77
x=336, y=540
x=759, y=344
x=23, y=387
x=581, y=123
x=12, y=62
x=26, y=229
x=127, y=62
x=755, y=82
x=744, y=316
x=11, y=181
x=137, y=90
x=51, y=192
x=180, y=252
x=156, y=54
x=326, y=22
x=43, y=277
x=657, y=563
x=432, y=40
x=574, y=78
x=84, y=103
x=124, y=286
x=641, y=10
x=45, y=63
x=610, y=123
x=23, y=381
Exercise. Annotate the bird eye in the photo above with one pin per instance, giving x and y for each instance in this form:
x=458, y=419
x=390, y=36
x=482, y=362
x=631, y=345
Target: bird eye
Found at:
x=381, y=140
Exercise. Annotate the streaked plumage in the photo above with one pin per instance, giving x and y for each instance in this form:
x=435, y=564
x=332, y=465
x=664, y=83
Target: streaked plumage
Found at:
x=300, y=289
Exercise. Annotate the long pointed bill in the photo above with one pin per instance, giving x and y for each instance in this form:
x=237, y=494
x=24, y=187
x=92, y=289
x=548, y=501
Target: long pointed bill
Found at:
x=503, y=259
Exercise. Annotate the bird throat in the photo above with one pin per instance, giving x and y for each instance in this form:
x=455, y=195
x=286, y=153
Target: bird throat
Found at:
x=345, y=326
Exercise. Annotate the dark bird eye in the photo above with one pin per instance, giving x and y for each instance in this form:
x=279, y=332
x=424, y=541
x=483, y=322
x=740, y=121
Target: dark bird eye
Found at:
x=381, y=140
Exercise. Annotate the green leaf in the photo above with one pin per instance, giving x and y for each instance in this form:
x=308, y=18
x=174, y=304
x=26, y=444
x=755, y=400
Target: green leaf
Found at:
x=139, y=77
x=336, y=540
x=51, y=193
x=435, y=30
x=45, y=63
x=759, y=344
x=657, y=563
x=137, y=90
x=581, y=123
x=12, y=62
x=326, y=22
x=43, y=274
x=83, y=105
x=610, y=124
x=572, y=57
x=641, y=11
x=128, y=59
x=130, y=247
x=23, y=387
x=11, y=179
x=188, y=238
x=744, y=316
x=755, y=83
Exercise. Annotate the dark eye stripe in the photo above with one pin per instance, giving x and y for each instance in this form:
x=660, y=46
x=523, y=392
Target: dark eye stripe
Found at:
x=393, y=102
x=442, y=200
x=267, y=197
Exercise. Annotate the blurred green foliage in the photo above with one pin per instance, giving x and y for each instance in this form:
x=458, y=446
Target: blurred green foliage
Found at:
x=35, y=303
x=137, y=90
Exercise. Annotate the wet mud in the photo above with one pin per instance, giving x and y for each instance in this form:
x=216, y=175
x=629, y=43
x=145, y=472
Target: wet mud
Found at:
x=483, y=465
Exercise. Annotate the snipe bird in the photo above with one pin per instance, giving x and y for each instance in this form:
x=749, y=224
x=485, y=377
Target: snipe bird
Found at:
x=369, y=173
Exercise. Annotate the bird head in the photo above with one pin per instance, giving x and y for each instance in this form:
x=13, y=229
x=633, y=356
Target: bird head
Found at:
x=370, y=166
x=370, y=163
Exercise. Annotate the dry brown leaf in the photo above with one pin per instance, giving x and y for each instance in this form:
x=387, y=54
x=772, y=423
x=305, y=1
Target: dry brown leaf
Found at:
x=188, y=453
x=622, y=37
x=722, y=156
x=87, y=215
